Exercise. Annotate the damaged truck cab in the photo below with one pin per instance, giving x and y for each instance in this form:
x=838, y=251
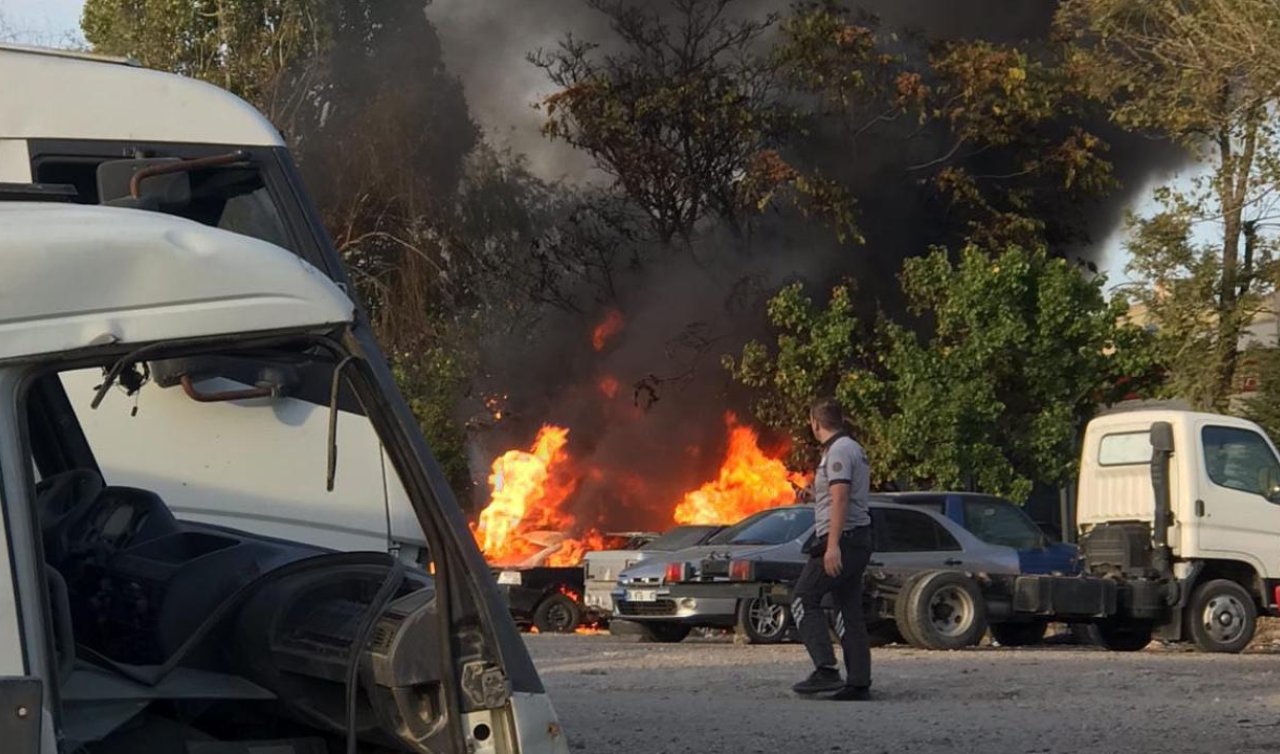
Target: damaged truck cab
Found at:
x=222, y=528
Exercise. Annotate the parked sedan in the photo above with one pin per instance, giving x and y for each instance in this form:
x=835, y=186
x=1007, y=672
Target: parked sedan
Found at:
x=603, y=566
x=906, y=539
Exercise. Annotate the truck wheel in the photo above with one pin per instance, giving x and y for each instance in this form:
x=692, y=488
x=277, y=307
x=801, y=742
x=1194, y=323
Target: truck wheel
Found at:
x=1221, y=616
x=666, y=633
x=763, y=621
x=1121, y=636
x=941, y=610
x=557, y=614
x=882, y=633
x=1019, y=634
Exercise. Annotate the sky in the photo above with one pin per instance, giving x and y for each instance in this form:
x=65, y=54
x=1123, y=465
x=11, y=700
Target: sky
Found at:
x=54, y=22
x=41, y=21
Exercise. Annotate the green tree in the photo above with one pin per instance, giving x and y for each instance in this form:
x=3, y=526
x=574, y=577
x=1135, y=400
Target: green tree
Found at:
x=1263, y=406
x=687, y=118
x=1021, y=350
x=998, y=130
x=1206, y=75
x=813, y=348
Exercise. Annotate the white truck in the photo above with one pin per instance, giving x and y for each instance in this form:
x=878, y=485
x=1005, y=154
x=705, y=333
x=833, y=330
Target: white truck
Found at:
x=1178, y=514
x=222, y=529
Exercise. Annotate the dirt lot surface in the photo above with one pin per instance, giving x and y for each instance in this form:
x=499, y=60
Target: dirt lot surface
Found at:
x=711, y=695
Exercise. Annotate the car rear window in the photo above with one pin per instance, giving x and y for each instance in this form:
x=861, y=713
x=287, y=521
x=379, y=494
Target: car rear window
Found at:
x=771, y=527
x=679, y=539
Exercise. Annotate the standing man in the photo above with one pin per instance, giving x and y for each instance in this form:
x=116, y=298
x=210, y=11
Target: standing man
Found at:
x=838, y=555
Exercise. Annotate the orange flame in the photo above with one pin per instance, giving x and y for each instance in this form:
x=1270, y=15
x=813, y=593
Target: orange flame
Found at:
x=526, y=510
x=609, y=386
x=749, y=481
x=610, y=326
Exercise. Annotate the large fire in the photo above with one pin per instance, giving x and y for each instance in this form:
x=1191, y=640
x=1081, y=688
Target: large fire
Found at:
x=526, y=512
x=528, y=522
x=610, y=326
x=749, y=481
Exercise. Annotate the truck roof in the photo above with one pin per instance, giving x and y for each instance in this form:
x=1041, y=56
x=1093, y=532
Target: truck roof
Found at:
x=58, y=94
x=77, y=276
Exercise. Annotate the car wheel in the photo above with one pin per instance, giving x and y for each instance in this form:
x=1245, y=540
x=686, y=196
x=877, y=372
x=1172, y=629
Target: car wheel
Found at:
x=1019, y=634
x=941, y=610
x=557, y=614
x=1221, y=616
x=763, y=621
x=666, y=633
x=1121, y=636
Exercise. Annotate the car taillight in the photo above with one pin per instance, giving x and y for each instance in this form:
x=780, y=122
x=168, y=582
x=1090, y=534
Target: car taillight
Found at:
x=675, y=573
x=742, y=570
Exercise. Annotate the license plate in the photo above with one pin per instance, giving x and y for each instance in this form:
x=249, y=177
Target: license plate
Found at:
x=510, y=578
x=642, y=595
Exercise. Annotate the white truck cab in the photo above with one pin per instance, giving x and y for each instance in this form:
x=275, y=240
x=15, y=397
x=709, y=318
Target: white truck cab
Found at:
x=108, y=111
x=1218, y=534
x=221, y=525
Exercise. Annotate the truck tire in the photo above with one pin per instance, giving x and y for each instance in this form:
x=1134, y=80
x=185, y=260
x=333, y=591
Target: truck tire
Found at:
x=763, y=621
x=557, y=614
x=941, y=610
x=665, y=632
x=882, y=633
x=1121, y=636
x=1221, y=616
x=1019, y=634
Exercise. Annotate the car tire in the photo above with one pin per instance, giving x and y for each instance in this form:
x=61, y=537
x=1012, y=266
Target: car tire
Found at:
x=557, y=614
x=763, y=621
x=1019, y=634
x=1221, y=616
x=941, y=610
x=1121, y=636
x=665, y=632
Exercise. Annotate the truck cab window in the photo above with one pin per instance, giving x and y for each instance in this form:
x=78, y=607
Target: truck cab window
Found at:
x=1241, y=459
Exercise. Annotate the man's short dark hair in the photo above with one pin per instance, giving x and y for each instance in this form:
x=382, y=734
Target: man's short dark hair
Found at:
x=828, y=414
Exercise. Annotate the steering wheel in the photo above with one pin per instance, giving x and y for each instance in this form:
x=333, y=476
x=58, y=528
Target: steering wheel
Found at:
x=63, y=500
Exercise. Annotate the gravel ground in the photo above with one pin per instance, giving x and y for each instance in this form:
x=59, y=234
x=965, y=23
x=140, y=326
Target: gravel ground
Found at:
x=711, y=695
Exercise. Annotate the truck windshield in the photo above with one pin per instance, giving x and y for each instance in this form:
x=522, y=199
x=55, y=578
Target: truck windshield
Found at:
x=998, y=522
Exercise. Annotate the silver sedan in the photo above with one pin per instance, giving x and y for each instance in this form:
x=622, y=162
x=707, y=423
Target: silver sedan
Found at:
x=907, y=538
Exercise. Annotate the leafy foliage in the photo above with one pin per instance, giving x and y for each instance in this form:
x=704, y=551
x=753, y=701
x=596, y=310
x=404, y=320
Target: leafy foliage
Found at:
x=1022, y=349
x=1204, y=75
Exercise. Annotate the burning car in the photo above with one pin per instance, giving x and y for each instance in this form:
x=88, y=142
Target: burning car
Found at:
x=550, y=598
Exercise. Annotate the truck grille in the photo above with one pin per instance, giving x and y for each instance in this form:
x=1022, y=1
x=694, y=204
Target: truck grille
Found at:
x=661, y=607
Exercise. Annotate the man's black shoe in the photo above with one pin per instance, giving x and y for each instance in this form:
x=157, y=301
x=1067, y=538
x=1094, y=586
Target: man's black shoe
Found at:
x=820, y=681
x=852, y=694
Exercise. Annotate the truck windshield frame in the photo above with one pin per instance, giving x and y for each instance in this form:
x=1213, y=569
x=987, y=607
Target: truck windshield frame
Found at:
x=304, y=231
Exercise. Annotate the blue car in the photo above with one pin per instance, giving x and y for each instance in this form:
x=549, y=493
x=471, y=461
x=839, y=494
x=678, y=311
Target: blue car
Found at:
x=997, y=521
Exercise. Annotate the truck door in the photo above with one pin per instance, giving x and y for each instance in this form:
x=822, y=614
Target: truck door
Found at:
x=1237, y=513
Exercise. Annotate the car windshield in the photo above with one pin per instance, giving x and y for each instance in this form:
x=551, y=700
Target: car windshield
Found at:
x=999, y=522
x=772, y=527
x=679, y=538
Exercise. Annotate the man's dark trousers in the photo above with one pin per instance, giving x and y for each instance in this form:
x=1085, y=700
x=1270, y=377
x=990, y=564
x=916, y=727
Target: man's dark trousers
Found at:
x=814, y=583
